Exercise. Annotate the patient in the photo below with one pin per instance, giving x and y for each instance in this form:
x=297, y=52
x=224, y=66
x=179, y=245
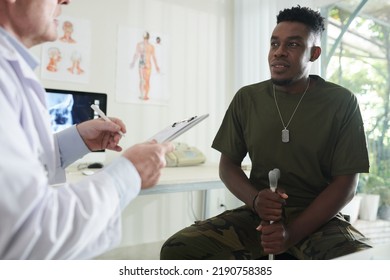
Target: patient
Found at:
x=311, y=130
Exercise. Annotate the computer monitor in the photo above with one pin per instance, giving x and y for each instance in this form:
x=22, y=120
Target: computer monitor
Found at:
x=69, y=107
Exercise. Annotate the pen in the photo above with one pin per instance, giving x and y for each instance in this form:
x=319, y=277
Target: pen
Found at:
x=104, y=117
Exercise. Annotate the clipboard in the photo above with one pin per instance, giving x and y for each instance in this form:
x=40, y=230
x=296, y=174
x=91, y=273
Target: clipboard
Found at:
x=177, y=128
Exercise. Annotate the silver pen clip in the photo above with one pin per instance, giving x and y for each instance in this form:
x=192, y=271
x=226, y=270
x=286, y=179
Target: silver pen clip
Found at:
x=183, y=121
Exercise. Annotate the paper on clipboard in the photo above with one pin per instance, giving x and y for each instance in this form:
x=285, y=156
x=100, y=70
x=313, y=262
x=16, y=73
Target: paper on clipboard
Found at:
x=177, y=128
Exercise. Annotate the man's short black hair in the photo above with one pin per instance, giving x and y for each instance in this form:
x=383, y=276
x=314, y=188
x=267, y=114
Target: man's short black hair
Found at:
x=307, y=16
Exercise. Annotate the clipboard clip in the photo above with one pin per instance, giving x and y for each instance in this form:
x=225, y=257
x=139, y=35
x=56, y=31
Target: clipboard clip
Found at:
x=185, y=120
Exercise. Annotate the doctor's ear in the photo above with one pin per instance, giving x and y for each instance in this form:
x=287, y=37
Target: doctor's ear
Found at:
x=315, y=53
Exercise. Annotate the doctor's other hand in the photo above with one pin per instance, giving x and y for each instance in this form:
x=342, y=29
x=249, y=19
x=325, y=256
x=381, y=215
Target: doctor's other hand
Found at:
x=99, y=134
x=149, y=158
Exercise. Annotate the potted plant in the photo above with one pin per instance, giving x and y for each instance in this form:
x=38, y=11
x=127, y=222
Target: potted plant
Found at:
x=352, y=209
x=384, y=208
x=368, y=190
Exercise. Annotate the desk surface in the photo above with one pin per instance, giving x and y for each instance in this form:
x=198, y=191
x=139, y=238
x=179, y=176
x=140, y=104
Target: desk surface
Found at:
x=178, y=179
x=185, y=174
x=188, y=178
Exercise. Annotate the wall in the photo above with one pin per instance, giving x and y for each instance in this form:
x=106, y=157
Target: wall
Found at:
x=199, y=62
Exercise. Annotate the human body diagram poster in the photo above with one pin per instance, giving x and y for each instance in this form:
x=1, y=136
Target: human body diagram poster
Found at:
x=68, y=58
x=141, y=66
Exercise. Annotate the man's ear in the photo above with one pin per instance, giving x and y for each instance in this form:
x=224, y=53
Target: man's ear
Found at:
x=315, y=53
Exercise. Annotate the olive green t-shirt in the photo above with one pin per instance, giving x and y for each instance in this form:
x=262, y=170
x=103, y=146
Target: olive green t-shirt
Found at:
x=327, y=137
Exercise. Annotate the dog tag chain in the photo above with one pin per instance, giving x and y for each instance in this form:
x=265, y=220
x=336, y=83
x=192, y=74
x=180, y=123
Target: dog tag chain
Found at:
x=285, y=131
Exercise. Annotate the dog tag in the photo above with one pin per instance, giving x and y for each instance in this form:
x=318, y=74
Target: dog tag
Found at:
x=285, y=135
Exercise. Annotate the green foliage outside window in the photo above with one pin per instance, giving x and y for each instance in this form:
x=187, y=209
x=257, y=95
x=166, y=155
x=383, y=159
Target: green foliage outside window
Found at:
x=361, y=63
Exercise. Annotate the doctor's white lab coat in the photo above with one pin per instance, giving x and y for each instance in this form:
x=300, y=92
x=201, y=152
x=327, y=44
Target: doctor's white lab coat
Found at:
x=37, y=221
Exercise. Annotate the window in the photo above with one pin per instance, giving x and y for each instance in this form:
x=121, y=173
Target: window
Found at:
x=356, y=55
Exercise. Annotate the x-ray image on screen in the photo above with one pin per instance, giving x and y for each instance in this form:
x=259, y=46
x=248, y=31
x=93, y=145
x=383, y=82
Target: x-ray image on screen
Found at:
x=60, y=107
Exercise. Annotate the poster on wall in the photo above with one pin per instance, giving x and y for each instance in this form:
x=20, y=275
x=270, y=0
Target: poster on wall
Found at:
x=141, y=66
x=68, y=58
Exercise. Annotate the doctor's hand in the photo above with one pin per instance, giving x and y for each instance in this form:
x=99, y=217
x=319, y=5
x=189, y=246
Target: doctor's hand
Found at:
x=148, y=158
x=99, y=134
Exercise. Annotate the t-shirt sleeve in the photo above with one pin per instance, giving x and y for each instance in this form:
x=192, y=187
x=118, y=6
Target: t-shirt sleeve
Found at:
x=350, y=154
x=229, y=139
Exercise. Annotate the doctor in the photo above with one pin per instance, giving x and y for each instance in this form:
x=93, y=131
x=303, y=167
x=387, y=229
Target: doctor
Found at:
x=73, y=221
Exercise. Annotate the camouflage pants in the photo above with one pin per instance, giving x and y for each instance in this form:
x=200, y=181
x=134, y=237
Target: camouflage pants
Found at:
x=232, y=235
